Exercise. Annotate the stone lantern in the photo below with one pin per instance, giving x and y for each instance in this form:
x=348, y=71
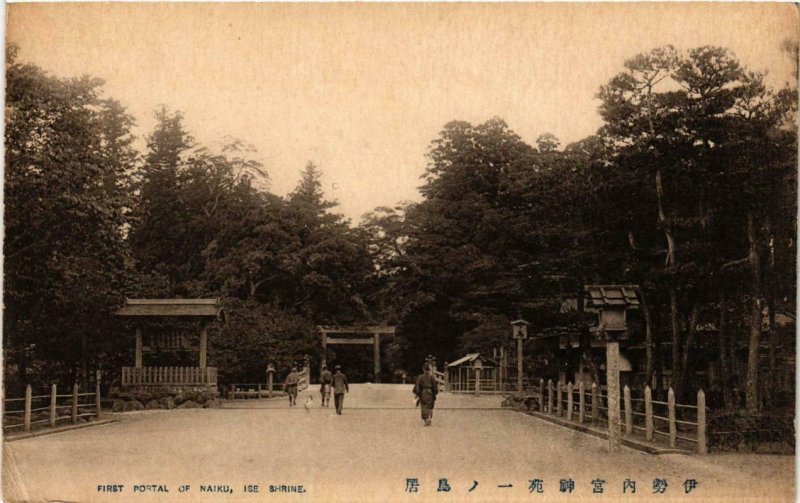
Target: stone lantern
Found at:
x=611, y=303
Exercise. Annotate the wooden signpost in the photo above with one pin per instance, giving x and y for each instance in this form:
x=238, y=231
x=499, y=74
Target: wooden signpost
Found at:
x=519, y=330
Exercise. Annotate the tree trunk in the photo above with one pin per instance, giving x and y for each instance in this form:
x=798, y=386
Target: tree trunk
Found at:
x=648, y=324
x=658, y=355
x=722, y=334
x=659, y=373
x=669, y=266
x=676, y=334
x=23, y=358
x=84, y=362
x=751, y=386
x=687, y=348
x=649, y=343
x=662, y=220
x=585, y=337
x=773, y=333
x=738, y=374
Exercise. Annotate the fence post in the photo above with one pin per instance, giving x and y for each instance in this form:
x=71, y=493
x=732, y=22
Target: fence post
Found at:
x=673, y=431
x=648, y=413
x=75, y=403
x=569, y=401
x=581, y=402
x=541, y=395
x=97, y=395
x=626, y=391
x=53, y=416
x=702, y=445
x=559, y=387
x=595, y=400
x=28, y=399
x=550, y=408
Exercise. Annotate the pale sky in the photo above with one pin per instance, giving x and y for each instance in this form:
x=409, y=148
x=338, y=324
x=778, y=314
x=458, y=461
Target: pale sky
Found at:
x=362, y=89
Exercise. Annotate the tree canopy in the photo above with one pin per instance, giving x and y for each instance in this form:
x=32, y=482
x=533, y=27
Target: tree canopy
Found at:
x=688, y=189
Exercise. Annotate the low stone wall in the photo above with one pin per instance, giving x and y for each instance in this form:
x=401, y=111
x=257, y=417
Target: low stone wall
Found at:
x=125, y=401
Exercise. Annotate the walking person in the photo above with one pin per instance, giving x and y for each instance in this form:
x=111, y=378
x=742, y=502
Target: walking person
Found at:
x=290, y=386
x=426, y=389
x=325, y=379
x=340, y=387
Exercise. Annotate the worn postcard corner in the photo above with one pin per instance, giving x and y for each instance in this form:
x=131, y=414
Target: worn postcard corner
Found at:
x=421, y=252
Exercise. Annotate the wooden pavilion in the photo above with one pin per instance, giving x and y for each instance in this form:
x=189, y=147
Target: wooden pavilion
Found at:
x=140, y=377
x=461, y=374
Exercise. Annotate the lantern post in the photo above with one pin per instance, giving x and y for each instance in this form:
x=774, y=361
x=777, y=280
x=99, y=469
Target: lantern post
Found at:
x=519, y=331
x=612, y=302
x=270, y=372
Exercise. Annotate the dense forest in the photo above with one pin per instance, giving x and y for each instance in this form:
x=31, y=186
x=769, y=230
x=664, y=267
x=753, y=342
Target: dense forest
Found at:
x=689, y=190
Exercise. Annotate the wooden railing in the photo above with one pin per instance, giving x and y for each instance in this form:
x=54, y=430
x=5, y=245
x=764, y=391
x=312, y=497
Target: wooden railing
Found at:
x=488, y=385
x=591, y=405
x=263, y=390
x=169, y=376
x=439, y=376
x=252, y=390
x=469, y=386
x=20, y=413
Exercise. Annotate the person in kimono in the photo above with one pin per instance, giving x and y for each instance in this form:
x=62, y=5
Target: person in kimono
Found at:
x=426, y=389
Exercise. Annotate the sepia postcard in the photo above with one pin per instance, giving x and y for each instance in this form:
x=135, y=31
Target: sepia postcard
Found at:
x=422, y=252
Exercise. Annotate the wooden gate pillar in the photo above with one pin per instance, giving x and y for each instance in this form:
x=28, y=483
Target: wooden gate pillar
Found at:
x=324, y=360
x=203, y=344
x=376, y=338
x=138, y=354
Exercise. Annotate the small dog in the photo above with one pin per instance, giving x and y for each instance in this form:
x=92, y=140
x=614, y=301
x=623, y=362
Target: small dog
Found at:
x=308, y=403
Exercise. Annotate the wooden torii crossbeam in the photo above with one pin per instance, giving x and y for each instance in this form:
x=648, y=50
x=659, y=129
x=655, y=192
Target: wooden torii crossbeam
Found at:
x=374, y=333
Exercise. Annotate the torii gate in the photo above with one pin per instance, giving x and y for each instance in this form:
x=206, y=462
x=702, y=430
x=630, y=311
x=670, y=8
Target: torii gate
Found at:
x=374, y=339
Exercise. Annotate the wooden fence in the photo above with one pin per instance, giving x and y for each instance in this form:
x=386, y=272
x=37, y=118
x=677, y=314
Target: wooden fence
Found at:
x=20, y=413
x=169, y=376
x=263, y=390
x=654, y=419
x=487, y=386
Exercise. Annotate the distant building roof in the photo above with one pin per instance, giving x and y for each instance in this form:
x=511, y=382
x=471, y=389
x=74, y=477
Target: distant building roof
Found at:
x=358, y=329
x=198, y=308
x=604, y=296
x=469, y=359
